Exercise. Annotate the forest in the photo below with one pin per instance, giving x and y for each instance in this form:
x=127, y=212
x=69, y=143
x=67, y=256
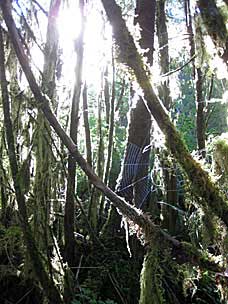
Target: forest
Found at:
x=113, y=151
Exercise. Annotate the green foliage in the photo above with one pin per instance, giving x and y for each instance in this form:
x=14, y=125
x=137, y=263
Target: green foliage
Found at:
x=86, y=296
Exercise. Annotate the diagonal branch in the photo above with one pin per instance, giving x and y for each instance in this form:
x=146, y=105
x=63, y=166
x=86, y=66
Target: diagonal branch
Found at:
x=201, y=183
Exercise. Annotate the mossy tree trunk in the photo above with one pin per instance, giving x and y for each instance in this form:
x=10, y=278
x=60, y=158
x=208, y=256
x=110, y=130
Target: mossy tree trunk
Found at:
x=139, y=127
x=200, y=114
x=96, y=196
x=43, y=146
x=198, y=77
x=3, y=182
x=151, y=291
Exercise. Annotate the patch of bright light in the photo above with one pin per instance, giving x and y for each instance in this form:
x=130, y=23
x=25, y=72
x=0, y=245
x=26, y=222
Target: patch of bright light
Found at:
x=69, y=23
x=216, y=62
x=225, y=97
x=97, y=42
x=98, y=45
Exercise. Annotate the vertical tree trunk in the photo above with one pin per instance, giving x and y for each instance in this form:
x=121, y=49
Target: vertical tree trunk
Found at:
x=3, y=182
x=198, y=76
x=163, y=42
x=111, y=127
x=133, y=180
x=200, y=114
x=107, y=96
x=69, y=223
x=169, y=167
x=96, y=196
x=189, y=26
x=44, y=160
x=150, y=280
x=87, y=128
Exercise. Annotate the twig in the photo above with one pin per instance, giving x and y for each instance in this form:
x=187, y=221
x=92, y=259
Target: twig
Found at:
x=24, y=296
x=180, y=68
x=90, y=229
x=41, y=8
x=115, y=285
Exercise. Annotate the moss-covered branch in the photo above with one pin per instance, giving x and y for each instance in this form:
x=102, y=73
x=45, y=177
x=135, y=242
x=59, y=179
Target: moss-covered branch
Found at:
x=201, y=182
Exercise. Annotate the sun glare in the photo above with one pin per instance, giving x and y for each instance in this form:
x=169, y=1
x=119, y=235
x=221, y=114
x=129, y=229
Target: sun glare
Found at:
x=97, y=41
x=69, y=23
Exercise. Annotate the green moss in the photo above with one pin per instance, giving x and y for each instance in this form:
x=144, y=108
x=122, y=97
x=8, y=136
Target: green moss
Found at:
x=151, y=278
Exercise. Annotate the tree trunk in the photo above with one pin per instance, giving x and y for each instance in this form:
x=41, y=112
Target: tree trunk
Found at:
x=150, y=280
x=43, y=153
x=133, y=181
x=197, y=75
x=168, y=166
x=96, y=196
x=87, y=129
x=111, y=129
x=69, y=222
x=200, y=114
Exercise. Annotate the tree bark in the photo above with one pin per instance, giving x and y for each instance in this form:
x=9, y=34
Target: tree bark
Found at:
x=188, y=18
x=145, y=17
x=163, y=42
